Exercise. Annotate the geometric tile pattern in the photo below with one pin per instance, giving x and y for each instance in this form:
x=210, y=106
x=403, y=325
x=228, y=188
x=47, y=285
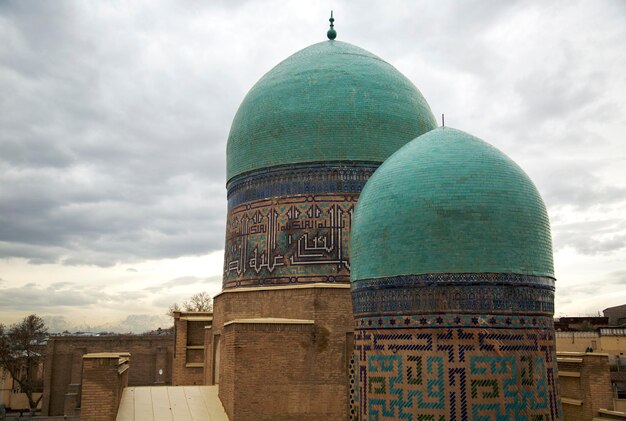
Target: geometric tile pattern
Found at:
x=443, y=373
x=456, y=347
x=444, y=292
x=411, y=294
x=453, y=298
x=455, y=320
x=354, y=387
x=310, y=178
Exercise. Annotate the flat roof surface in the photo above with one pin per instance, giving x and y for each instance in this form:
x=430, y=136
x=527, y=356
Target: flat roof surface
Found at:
x=171, y=403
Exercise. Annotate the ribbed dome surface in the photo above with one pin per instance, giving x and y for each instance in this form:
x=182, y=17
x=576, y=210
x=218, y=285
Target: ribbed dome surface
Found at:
x=448, y=202
x=331, y=101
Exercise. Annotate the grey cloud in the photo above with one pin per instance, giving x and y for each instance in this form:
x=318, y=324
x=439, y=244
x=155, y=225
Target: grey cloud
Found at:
x=138, y=323
x=66, y=294
x=55, y=286
x=572, y=182
x=32, y=296
x=56, y=324
x=115, y=120
x=575, y=292
x=99, y=164
x=185, y=280
x=617, y=277
x=592, y=237
x=134, y=323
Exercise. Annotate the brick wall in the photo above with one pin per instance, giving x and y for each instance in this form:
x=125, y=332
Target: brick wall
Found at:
x=64, y=362
x=616, y=315
x=585, y=383
x=278, y=370
x=105, y=375
x=208, y=357
x=189, y=348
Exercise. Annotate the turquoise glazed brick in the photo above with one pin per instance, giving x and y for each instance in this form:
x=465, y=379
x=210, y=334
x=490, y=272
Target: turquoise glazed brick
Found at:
x=331, y=101
x=448, y=202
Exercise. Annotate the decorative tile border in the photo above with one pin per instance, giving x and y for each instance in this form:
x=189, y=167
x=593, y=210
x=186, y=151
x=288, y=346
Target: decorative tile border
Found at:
x=456, y=320
x=484, y=292
x=429, y=279
x=305, y=179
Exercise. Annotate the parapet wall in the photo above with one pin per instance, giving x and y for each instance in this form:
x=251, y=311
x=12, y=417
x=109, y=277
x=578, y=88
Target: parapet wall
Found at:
x=585, y=383
x=152, y=365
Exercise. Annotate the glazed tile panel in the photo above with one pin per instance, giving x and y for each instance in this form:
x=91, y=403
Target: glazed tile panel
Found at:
x=291, y=225
x=299, y=179
x=454, y=292
x=462, y=353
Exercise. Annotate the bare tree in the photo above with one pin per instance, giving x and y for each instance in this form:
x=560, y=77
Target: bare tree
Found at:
x=172, y=309
x=201, y=301
x=20, y=354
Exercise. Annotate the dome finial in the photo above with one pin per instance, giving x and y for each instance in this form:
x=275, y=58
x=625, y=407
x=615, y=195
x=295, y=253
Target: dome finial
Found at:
x=331, y=34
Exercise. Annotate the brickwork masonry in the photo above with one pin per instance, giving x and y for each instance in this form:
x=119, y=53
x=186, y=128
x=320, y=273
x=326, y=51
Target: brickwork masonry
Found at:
x=105, y=375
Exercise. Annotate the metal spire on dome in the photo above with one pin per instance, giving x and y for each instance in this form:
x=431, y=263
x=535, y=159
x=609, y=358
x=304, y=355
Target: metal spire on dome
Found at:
x=331, y=34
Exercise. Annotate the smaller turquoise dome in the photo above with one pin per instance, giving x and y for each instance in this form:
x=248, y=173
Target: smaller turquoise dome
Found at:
x=448, y=202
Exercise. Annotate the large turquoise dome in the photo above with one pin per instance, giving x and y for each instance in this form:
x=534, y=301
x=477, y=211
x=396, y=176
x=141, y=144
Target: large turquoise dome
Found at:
x=331, y=101
x=448, y=202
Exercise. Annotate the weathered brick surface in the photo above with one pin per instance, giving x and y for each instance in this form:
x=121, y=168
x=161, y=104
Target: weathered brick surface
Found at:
x=616, y=315
x=208, y=356
x=104, y=380
x=64, y=364
x=188, y=349
x=274, y=371
x=593, y=387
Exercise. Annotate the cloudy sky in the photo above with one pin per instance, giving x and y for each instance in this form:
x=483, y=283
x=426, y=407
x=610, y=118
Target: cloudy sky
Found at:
x=114, y=117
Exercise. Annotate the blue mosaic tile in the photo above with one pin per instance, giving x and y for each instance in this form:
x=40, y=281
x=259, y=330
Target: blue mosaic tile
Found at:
x=301, y=179
x=454, y=292
x=465, y=373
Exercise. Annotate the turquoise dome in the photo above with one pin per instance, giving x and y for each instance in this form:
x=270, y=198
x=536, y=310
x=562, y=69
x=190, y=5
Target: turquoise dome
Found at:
x=448, y=202
x=331, y=101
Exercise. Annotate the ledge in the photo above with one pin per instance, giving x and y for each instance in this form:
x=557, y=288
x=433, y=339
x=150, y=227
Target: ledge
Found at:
x=566, y=354
x=283, y=287
x=569, y=374
x=197, y=318
x=123, y=368
x=194, y=365
x=270, y=320
x=107, y=355
x=612, y=413
x=195, y=347
x=569, y=401
x=569, y=360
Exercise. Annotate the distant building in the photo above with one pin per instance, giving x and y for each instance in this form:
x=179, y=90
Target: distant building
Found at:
x=568, y=324
x=616, y=315
x=11, y=395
